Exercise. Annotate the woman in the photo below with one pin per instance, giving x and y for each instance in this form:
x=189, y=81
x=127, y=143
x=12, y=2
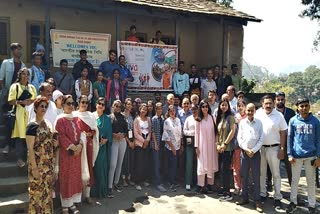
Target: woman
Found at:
x=236, y=162
x=83, y=85
x=189, y=132
x=127, y=166
x=226, y=130
x=99, y=87
x=101, y=165
x=114, y=89
x=151, y=110
x=172, y=134
x=70, y=147
x=205, y=143
x=118, y=148
x=142, y=137
x=42, y=150
x=57, y=99
x=89, y=128
x=21, y=94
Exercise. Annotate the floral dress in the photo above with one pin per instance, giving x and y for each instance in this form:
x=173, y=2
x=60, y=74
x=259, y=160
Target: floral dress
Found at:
x=40, y=190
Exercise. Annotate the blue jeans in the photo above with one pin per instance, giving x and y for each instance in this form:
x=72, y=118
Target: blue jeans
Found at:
x=156, y=167
x=226, y=171
x=172, y=166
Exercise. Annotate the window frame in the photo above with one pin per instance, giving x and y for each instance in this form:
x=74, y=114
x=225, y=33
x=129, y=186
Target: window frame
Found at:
x=6, y=20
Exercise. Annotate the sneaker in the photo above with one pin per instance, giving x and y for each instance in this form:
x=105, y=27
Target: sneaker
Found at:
x=277, y=204
x=117, y=187
x=221, y=193
x=209, y=189
x=176, y=185
x=173, y=188
x=5, y=150
x=20, y=163
x=236, y=191
x=259, y=207
x=146, y=184
x=242, y=202
x=225, y=198
x=291, y=208
x=109, y=194
x=312, y=210
x=161, y=188
x=138, y=187
x=188, y=187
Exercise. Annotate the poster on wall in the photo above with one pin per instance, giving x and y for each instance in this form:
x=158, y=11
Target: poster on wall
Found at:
x=67, y=44
x=151, y=65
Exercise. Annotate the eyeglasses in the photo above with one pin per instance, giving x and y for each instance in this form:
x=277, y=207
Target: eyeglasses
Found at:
x=44, y=106
x=280, y=94
x=204, y=106
x=84, y=102
x=101, y=104
x=70, y=103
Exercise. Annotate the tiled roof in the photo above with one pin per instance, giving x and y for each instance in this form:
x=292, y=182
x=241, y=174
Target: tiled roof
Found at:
x=194, y=6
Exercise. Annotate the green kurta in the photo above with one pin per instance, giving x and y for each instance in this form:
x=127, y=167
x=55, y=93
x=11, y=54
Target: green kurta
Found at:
x=101, y=166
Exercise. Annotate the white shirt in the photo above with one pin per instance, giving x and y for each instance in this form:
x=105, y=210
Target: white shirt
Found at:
x=189, y=126
x=272, y=124
x=206, y=86
x=51, y=114
x=172, y=132
x=250, y=134
x=233, y=104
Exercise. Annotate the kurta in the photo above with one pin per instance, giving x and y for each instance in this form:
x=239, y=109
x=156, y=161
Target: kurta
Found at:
x=69, y=165
x=205, y=141
x=40, y=190
x=101, y=166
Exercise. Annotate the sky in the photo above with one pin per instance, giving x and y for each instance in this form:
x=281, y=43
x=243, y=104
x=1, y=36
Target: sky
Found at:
x=283, y=41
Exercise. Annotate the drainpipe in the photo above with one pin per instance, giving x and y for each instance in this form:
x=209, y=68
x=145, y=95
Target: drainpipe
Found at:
x=223, y=40
x=47, y=32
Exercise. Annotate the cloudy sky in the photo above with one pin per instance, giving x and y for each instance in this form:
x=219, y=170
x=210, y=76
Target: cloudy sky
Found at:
x=283, y=41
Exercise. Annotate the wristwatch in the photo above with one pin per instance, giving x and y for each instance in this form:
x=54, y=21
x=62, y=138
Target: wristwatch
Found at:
x=281, y=148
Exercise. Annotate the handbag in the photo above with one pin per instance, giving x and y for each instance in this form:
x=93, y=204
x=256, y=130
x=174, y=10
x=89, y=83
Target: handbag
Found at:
x=11, y=117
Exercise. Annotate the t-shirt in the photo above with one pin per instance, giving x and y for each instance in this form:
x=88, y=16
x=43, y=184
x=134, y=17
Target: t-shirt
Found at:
x=207, y=85
x=17, y=67
x=224, y=128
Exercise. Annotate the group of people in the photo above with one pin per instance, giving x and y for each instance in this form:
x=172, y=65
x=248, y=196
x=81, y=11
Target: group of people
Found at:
x=87, y=140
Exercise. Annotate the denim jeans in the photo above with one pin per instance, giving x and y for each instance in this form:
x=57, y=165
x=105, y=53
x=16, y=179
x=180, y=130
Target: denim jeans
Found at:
x=172, y=166
x=226, y=171
x=156, y=167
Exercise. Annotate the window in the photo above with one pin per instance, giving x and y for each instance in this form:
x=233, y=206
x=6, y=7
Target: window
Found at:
x=168, y=40
x=4, y=37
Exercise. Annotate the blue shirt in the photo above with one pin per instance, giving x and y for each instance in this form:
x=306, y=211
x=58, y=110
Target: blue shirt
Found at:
x=182, y=115
x=36, y=77
x=180, y=83
x=107, y=68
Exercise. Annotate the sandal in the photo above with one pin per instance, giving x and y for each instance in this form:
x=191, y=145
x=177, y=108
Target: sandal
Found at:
x=65, y=211
x=74, y=210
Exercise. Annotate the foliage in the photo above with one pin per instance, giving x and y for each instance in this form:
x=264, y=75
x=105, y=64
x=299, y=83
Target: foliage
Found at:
x=247, y=86
x=226, y=3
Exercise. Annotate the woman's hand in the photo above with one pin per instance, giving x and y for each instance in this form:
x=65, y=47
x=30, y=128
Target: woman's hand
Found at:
x=131, y=144
x=78, y=149
x=198, y=151
x=35, y=173
x=103, y=141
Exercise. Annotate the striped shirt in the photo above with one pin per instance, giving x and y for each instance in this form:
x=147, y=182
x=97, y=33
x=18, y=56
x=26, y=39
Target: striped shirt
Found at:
x=157, y=128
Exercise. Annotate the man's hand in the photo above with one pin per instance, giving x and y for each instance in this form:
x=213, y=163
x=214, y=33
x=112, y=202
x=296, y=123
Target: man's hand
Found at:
x=156, y=147
x=317, y=163
x=281, y=154
x=291, y=160
x=131, y=144
x=174, y=151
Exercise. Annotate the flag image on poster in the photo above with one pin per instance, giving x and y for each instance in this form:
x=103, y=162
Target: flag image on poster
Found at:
x=152, y=65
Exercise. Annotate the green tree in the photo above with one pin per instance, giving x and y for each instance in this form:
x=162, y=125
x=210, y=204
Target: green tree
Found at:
x=226, y=3
x=247, y=86
x=312, y=11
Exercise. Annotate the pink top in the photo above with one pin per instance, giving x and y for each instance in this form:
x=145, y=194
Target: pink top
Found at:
x=138, y=138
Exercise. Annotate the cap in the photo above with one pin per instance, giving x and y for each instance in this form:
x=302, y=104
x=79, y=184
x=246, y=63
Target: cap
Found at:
x=56, y=94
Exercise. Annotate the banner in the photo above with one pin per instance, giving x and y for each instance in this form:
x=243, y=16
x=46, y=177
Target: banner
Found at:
x=67, y=44
x=151, y=65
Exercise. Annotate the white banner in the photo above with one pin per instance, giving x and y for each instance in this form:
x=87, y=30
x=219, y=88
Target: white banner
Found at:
x=151, y=65
x=67, y=44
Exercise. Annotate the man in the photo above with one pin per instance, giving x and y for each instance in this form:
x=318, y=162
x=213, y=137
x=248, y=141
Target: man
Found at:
x=125, y=74
x=212, y=100
x=83, y=63
x=240, y=95
x=169, y=101
x=272, y=151
x=224, y=81
x=63, y=79
x=250, y=138
x=132, y=37
x=180, y=80
x=107, y=67
x=195, y=81
x=235, y=76
x=287, y=113
x=10, y=67
x=194, y=99
x=303, y=149
x=157, y=97
x=176, y=104
x=37, y=75
x=157, y=39
x=208, y=84
x=231, y=91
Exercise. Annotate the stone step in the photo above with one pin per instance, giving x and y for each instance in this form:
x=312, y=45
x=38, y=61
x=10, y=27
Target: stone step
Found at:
x=14, y=204
x=3, y=129
x=9, y=157
x=13, y=186
x=10, y=169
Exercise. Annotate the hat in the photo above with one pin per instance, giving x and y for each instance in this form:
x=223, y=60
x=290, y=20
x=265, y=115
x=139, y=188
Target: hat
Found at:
x=39, y=48
x=56, y=94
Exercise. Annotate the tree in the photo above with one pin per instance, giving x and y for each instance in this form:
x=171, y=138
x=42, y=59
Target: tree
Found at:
x=313, y=12
x=226, y=3
x=247, y=86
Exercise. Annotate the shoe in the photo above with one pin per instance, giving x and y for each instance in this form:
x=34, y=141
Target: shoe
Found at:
x=225, y=198
x=291, y=208
x=221, y=193
x=259, y=207
x=209, y=189
x=146, y=184
x=277, y=204
x=89, y=201
x=161, y=188
x=20, y=163
x=242, y=202
x=138, y=187
x=5, y=150
x=124, y=183
x=173, y=188
x=109, y=194
x=312, y=210
x=188, y=187
x=117, y=187
x=236, y=191
x=131, y=183
x=176, y=185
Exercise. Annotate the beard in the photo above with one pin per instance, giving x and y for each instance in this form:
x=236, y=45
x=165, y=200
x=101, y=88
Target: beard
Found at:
x=280, y=105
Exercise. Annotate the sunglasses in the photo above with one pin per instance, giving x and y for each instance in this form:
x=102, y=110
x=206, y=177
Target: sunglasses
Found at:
x=101, y=104
x=70, y=103
x=44, y=106
x=204, y=106
x=84, y=102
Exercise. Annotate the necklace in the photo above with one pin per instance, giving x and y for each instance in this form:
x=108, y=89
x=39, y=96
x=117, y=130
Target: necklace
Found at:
x=102, y=123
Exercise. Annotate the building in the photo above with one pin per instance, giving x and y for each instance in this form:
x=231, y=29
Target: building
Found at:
x=206, y=32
